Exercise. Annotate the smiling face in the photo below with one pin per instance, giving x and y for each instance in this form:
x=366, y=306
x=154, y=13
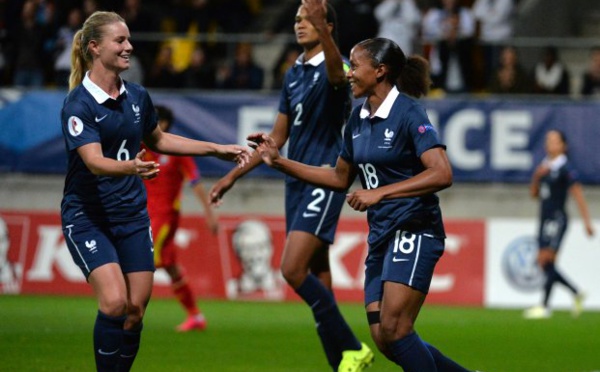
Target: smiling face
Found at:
x=114, y=49
x=363, y=76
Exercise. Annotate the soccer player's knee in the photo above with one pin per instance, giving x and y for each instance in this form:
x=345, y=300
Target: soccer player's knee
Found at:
x=293, y=275
x=393, y=329
x=116, y=306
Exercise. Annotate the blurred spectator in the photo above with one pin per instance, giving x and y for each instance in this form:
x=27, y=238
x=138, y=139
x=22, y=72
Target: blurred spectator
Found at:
x=163, y=73
x=186, y=13
x=287, y=59
x=89, y=7
x=550, y=74
x=139, y=19
x=453, y=27
x=591, y=77
x=243, y=73
x=62, y=47
x=510, y=77
x=284, y=22
x=26, y=48
x=495, y=19
x=399, y=20
x=356, y=22
x=232, y=16
x=200, y=74
x=135, y=72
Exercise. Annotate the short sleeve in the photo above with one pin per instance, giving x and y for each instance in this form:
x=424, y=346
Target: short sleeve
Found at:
x=78, y=126
x=423, y=133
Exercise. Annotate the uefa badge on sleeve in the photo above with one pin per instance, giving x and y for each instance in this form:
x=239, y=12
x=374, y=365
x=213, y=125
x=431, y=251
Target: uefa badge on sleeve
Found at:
x=75, y=126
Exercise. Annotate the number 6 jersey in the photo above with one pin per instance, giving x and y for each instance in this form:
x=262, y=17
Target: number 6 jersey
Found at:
x=90, y=115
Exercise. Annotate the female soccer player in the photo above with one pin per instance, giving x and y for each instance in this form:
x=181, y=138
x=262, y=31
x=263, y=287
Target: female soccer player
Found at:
x=553, y=179
x=103, y=211
x=314, y=105
x=390, y=143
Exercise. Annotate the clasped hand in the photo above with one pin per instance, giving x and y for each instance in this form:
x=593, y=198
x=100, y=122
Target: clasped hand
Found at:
x=265, y=145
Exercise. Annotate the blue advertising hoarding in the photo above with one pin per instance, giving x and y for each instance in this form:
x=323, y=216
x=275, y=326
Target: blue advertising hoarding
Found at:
x=488, y=139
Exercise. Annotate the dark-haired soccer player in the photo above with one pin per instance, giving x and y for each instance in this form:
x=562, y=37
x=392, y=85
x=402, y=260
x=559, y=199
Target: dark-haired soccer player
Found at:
x=391, y=145
x=551, y=182
x=164, y=204
x=314, y=105
x=104, y=218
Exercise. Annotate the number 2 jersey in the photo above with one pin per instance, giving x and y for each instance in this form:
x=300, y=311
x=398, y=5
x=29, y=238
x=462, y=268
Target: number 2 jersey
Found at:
x=90, y=115
x=386, y=149
x=316, y=110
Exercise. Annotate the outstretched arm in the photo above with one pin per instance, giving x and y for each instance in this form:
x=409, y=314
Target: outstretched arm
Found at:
x=279, y=134
x=172, y=144
x=339, y=178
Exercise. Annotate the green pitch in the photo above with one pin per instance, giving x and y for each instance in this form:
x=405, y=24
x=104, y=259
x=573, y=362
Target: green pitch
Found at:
x=55, y=334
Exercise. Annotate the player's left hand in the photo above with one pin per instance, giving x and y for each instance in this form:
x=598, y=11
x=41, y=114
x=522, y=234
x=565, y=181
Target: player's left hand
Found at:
x=362, y=199
x=147, y=170
x=316, y=11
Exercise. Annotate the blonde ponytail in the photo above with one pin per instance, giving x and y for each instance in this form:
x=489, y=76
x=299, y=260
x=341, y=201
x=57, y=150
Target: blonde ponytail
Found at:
x=79, y=65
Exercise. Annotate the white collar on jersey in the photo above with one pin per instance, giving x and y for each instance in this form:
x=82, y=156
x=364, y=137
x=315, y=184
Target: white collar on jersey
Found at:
x=384, y=110
x=556, y=163
x=99, y=95
x=315, y=61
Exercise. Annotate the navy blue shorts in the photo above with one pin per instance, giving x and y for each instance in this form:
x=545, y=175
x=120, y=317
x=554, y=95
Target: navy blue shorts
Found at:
x=313, y=210
x=406, y=258
x=552, y=231
x=127, y=243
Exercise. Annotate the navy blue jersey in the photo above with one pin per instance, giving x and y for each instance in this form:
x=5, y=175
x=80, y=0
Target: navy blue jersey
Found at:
x=386, y=149
x=316, y=110
x=554, y=187
x=90, y=115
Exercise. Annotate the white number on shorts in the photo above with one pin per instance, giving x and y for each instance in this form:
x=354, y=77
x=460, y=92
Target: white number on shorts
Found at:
x=404, y=242
x=370, y=174
x=123, y=154
x=319, y=196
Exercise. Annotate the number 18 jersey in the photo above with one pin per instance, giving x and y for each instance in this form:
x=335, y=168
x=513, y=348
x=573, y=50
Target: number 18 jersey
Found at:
x=386, y=149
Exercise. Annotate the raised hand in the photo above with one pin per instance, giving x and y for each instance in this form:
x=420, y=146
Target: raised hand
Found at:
x=316, y=11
